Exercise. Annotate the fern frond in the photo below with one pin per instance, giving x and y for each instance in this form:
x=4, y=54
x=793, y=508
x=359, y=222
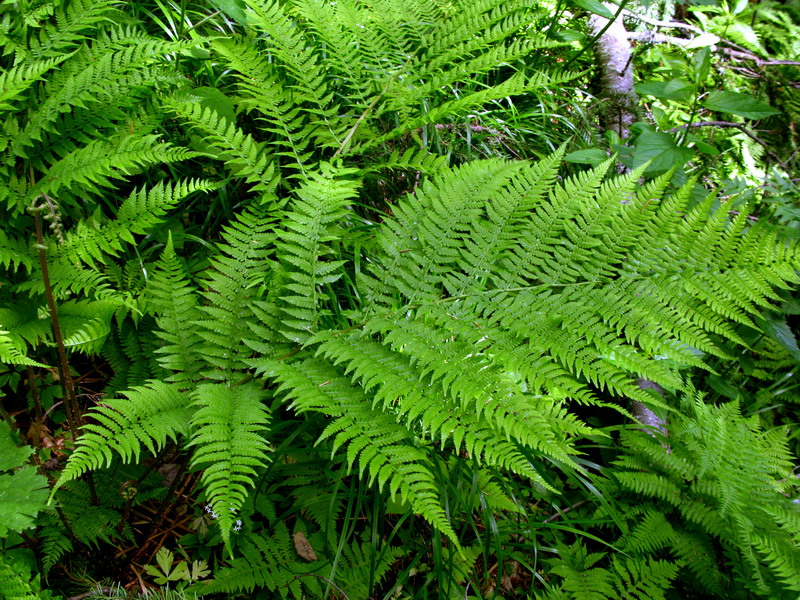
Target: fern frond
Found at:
x=175, y=303
x=228, y=427
x=98, y=163
x=74, y=22
x=16, y=582
x=265, y=562
x=304, y=246
x=14, y=253
x=246, y=157
x=12, y=354
x=235, y=286
x=147, y=418
x=85, y=78
x=91, y=242
x=385, y=451
x=17, y=79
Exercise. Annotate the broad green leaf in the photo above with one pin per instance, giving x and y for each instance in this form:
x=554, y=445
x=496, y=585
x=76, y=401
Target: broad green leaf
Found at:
x=592, y=156
x=593, y=6
x=11, y=456
x=736, y=103
x=231, y=8
x=702, y=65
x=22, y=495
x=164, y=559
x=216, y=101
x=704, y=40
x=661, y=150
x=676, y=89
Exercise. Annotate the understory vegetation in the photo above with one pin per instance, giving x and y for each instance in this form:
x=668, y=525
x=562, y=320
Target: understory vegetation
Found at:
x=399, y=299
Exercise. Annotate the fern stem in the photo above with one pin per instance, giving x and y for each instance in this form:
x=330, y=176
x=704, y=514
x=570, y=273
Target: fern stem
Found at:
x=37, y=403
x=369, y=109
x=65, y=376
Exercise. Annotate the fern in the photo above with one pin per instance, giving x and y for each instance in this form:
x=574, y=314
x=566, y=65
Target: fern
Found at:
x=229, y=424
x=628, y=578
x=16, y=582
x=149, y=417
x=478, y=325
x=266, y=562
x=723, y=482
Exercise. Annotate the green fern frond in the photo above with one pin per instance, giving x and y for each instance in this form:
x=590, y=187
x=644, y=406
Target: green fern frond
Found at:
x=147, y=418
x=296, y=130
x=363, y=565
x=15, y=253
x=246, y=157
x=235, y=285
x=285, y=41
x=385, y=451
x=305, y=246
x=16, y=581
x=91, y=242
x=74, y=23
x=98, y=163
x=175, y=303
x=228, y=427
x=17, y=79
x=266, y=562
x=626, y=577
x=114, y=60
x=12, y=354
x=55, y=544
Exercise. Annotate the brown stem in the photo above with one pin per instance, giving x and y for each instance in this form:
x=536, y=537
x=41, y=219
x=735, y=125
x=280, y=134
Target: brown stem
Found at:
x=37, y=403
x=64, y=373
x=7, y=418
x=561, y=513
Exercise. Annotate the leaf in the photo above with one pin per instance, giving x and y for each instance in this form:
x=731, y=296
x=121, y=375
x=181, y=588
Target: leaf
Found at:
x=199, y=570
x=736, y=103
x=661, y=150
x=156, y=573
x=303, y=547
x=592, y=156
x=595, y=7
x=702, y=65
x=676, y=89
x=164, y=559
x=704, y=40
x=181, y=571
x=22, y=495
x=779, y=330
x=11, y=456
x=217, y=101
x=233, y=9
